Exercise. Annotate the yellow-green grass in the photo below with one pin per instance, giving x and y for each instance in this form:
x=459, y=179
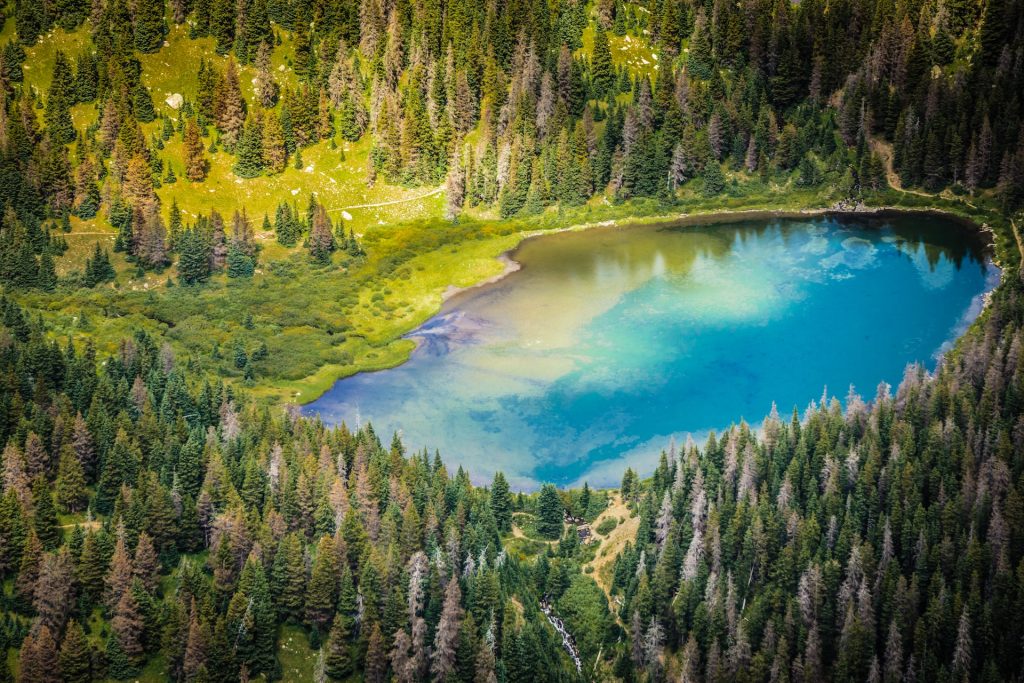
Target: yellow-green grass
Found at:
x=38, y=67
x=339, y=184
x=298, y=659
x=630, y=51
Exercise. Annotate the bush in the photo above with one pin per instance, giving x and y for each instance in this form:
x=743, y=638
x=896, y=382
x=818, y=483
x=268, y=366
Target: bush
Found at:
x=606, y=527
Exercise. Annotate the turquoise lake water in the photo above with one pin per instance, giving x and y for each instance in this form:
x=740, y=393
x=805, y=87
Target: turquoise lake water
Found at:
x=611, y=341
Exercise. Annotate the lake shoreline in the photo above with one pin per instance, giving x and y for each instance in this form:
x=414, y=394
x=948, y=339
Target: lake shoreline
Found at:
x=569, y=337
x=510, y=265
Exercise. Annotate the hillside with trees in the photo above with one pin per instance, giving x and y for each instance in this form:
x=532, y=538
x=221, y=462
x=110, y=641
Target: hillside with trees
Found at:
x=211, y=209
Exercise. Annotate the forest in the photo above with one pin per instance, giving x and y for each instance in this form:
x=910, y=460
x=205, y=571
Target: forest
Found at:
x=212, y=209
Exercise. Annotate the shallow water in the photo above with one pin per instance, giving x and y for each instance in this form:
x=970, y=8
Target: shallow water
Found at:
x=608, y=342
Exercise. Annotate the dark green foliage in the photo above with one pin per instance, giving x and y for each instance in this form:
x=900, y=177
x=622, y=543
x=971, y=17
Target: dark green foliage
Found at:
x=148, y=24
x=142, y=104
x=550, y=512
x=194, y=251
x=249, y=151
x=501, y=502
x=602, y=71
x=98, y=268
x=714, y=179
x=60, y=96
x=239, y=263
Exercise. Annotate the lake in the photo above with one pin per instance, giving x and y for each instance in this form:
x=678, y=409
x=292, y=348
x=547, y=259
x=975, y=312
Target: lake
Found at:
x=609, y=342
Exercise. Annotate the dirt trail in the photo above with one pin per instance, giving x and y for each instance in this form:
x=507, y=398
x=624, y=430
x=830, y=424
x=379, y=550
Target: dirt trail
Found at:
x=614, y=542
x=517, y=531
x=437, y=190
x=884, y=151
x=1020, y=244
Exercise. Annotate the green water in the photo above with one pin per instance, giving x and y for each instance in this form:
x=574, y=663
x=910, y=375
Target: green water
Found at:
x=610, y=342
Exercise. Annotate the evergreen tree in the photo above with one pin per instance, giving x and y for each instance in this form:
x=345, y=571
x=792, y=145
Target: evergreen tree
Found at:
x=229, y=107
x=338, y=662
x=275, y=154
x=75, y=657
x=501, y=502
x=249, y=152
x=46, y=523
x=550, y=512
x=60, y=97
x=71, y=491
x=322, y=592
x=196, y=165
x=148, y=24
x=194, y=258
x=321, y=236
x=602, y=70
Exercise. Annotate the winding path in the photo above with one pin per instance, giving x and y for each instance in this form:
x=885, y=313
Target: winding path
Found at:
x=437, y=190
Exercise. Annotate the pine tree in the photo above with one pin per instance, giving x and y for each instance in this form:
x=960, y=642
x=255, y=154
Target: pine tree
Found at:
x=288, y=579
x=376, y=657
x=229, y=107
x=446, y=637
x=338, y=662
x=275, y=154
x=195, y=160
x=266, y=87
x=714, y=179
x=119, y=576
x=142, y=104
x=455, y=188
x=83, y=445
x=321, y=236
x=222, y=24
x=128, y=626
x=249, y=152
x=47, y=277
x=75, y=657
x=258, y=649
x=38, y=660
x=146, y=564
x=602, y=70
x=239, y=263
x=71, y=491
x=46, y=524
x=322, y=592
x=550, y=512
x=54, y=590
x=700, y=61
x=149, y=26
x=193, y=259
x=501, y=502
x=59, y=98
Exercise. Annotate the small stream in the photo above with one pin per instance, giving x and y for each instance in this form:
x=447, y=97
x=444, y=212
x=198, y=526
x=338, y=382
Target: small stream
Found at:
x=567, y=640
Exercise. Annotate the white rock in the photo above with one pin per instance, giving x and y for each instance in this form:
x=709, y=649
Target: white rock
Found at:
x=175, y=100
x=294, y=192
x=281, y=68
x=346, y=215
x=308, y=169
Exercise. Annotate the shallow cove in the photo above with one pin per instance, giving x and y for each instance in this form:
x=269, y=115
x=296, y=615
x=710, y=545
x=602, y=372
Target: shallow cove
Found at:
x=610, y=341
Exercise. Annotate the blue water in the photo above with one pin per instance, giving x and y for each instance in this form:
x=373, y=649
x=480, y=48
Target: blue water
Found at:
x=609, y=342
